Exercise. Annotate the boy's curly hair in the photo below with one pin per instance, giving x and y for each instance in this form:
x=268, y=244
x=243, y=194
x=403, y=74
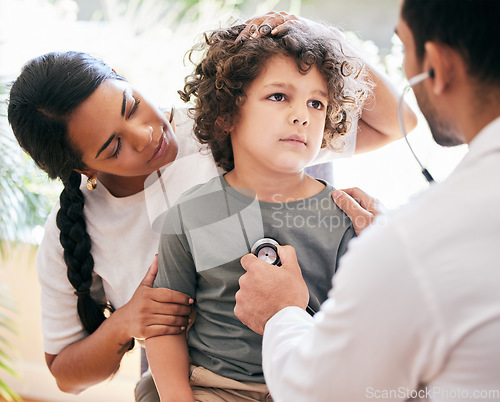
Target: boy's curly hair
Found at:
x=228, y=67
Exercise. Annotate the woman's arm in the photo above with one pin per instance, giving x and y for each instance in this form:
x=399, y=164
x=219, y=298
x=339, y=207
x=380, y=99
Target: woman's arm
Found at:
x=169, y=361
x=379, y=124
x=150, y=312
x=91, y=360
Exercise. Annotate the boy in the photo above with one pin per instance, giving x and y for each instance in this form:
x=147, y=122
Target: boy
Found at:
x=265, y=108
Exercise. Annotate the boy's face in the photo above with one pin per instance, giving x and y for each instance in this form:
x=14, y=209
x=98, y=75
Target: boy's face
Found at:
x=281, y=124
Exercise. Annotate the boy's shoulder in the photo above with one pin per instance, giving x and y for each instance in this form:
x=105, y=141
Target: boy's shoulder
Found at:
x=198, y=199
x=196, y=207
x=201, y=190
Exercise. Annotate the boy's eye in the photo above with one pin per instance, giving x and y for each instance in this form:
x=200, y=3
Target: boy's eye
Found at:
x=278, y=97
x=316, y=104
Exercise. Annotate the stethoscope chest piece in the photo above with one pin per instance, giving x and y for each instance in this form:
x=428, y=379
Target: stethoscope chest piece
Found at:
x=266, y=250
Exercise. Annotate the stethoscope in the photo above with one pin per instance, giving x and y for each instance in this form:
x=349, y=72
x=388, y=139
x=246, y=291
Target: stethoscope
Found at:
x=412, y=82
x=266, y=249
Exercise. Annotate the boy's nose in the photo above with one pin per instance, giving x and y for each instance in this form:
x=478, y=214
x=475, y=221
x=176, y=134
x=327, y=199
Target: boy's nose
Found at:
x=304, y=121
x=299, y=115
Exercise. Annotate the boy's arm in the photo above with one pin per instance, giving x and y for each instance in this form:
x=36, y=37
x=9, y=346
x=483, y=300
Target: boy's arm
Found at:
x=169, y=361
x=168, y=356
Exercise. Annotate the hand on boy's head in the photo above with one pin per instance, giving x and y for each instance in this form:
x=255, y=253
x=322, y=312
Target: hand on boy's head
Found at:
x=359, y=207
x=266, y=289
x=271, y=23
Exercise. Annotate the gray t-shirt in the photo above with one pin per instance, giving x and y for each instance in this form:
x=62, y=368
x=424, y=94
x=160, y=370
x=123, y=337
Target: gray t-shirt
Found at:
x=203, y=239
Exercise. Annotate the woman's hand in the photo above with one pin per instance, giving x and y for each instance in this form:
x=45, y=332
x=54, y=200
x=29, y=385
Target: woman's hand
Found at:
x=155, y=311
x=96, y=357
x=271, y=23
x=359, y=206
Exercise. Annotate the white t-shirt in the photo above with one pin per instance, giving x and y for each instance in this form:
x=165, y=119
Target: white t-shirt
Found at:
x=124, y=233
x=415, y=307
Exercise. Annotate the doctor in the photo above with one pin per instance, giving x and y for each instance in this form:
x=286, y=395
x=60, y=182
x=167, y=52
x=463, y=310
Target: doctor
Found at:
x=415, y=307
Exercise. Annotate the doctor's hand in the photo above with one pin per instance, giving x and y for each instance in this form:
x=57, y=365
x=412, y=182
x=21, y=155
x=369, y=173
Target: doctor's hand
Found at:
x=266, y=289
x=359, y=207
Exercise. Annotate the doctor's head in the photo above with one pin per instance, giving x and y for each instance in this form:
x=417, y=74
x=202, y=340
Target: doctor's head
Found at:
x=455, y=41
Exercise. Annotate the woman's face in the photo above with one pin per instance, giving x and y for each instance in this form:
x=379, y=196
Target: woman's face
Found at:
x=120, y=133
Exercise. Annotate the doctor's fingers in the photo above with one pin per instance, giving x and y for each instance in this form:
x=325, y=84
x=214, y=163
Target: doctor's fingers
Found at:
x=288, y=258
x=366, y=201
x=250, y=262
x=360, y=217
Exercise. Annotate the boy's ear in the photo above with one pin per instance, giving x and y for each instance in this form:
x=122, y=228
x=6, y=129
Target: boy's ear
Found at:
x=223, y=124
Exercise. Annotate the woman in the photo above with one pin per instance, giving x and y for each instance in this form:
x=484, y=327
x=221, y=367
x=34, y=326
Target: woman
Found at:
x=77, y=118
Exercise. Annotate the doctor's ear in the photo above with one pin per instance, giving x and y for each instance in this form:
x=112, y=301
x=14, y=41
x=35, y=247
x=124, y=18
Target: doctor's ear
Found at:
x=444, y=65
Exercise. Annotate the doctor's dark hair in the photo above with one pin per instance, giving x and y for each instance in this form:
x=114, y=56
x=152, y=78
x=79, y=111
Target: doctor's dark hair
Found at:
x=228, y=67
x=470, y=27
x=42, y=99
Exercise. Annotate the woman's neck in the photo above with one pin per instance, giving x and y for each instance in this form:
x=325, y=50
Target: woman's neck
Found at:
x=121, y=186
x=275, y=188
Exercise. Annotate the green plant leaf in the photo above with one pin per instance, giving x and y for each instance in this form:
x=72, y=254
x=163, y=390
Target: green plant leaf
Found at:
x=8, y=393
x=8, y=370
x=26, y=194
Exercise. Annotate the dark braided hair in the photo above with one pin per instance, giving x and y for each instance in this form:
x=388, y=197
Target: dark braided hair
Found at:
x=76, y=243
x=42, y=98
